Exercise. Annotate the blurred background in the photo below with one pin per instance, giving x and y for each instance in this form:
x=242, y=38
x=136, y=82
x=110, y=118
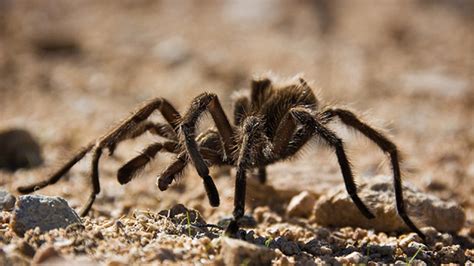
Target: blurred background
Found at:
x=69, y=70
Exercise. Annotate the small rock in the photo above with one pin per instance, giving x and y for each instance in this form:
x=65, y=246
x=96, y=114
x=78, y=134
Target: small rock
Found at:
x=317, y=247
x=359, y=234
x=447, y=239
x=418, y=263
x=26, y=249
x=266, y=215
x=355, y=257
x=179, y=214
x=19, y=150
x=45, y=253
x=430, y=232
x=288, y=248
x=383, y=250
x=404, y=242
x=337, y=209
x=322, y=232
x=418, y=251
x=165, y=254
x=301, y=205
x=238, y=252
x=7, y=200
x=452, y=254
x=45, y=212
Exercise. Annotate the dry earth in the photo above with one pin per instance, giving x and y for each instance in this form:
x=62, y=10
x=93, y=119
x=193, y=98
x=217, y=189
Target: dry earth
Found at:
x=69, y=70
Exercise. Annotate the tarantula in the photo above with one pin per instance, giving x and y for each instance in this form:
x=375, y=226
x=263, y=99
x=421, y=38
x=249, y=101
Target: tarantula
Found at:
x=271, y=123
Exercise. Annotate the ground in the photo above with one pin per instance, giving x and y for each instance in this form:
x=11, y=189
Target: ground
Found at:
x=70, y=70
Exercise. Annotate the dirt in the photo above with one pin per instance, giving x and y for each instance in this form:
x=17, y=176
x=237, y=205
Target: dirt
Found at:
x=69, y=70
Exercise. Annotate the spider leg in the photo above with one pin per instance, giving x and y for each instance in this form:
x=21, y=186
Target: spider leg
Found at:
x=203, y=102
x=110, y=139
x=97, y=153
x=160, y=129
x=307, y=120
x=241, y=109
x=58, y=174
x=260, y=90
x=284, y=133
x=207, y=143
x=172, y=172
x=131, y=169
x=177, y=167
x=251, y=129
x=350, y=119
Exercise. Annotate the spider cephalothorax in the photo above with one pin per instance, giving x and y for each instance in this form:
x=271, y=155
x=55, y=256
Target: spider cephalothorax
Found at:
x=272, y=122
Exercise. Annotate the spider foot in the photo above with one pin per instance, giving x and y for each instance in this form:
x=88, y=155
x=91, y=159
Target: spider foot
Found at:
x=27, y=189
x=232, y=229
x=85, y=210
x=211, y=190
x=362, y=207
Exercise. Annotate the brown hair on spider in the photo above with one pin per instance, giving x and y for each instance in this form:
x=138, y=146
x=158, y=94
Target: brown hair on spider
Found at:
x=271, y=122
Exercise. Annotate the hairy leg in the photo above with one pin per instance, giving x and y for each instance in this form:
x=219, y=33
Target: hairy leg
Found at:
x=200, y=104
x=241, y=109
x=252, y=127
x=350, y=119
x=97, y=153
x=58, y=174
x=307, y=120
x=260, y=91
x=108, y=140
x=177, y=167
x=160, y=129
x=208, y=141
x=133, y=167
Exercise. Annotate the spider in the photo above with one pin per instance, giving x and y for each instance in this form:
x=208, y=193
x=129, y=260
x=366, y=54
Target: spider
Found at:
x=272, y=122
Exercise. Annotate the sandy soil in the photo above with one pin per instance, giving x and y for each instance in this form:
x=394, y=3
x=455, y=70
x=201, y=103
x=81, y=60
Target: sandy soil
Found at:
x=69, y=70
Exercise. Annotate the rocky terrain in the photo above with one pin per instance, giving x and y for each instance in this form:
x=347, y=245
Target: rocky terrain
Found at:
x=70, y=70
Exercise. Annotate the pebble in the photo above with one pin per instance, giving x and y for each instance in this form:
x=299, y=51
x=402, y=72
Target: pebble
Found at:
x=288, y=248
x=420, y=250
x=317, y=247
x=404, y=242
x=238, y=252
x=301, y=205
x=7, y=200
x=452, y=254
x=44, y=212
x=45, y=253
x=383, y=250
x=26, y=249
x=355, y=258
